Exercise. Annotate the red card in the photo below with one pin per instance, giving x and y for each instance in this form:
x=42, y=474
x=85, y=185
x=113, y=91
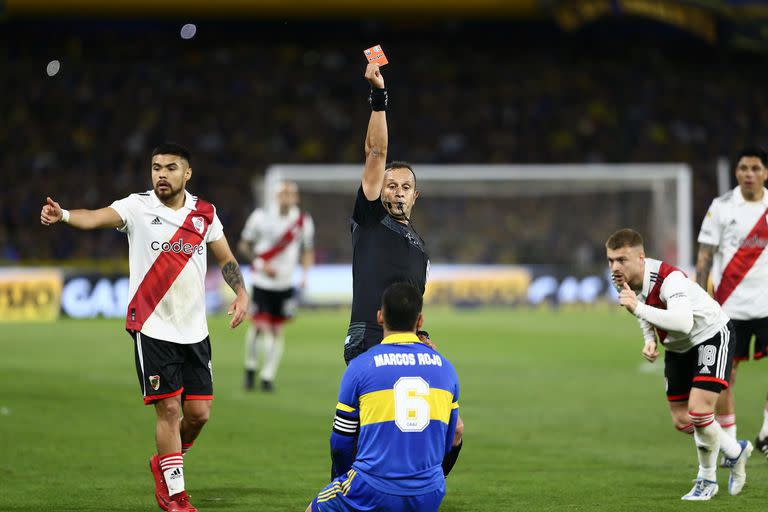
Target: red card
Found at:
x=375, y=55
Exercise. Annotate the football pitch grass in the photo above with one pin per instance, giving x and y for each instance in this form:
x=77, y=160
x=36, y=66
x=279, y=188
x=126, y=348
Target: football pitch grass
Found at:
x=561, y=413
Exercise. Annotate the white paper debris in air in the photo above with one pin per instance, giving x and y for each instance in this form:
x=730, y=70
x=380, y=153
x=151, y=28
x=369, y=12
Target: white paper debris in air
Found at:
x=53, y=67
x=188, y=31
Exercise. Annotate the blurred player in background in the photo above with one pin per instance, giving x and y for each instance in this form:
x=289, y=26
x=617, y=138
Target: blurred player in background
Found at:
x=699, y=343
x=168, y=231
x=732, y=242
x=274, y=239
x=386, y=248
x=398, y=404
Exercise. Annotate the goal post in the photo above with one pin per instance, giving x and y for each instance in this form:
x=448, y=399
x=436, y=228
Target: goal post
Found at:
x=658, y=196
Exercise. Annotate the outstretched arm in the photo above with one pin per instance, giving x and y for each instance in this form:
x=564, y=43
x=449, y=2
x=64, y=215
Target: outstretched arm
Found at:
x=376, y=139
x=52, y=213
x=233, y=277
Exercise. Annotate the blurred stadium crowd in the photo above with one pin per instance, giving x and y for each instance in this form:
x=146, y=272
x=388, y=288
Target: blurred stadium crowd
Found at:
x=243, y=98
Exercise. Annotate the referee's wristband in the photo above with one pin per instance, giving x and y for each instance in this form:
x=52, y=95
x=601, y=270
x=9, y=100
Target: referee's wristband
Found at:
x=64, y=215
x=378, y=99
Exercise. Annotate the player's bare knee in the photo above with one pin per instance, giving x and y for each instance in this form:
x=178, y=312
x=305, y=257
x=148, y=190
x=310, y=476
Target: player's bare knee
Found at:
x=681, y=420
x=683, y=425
x=198, y=417
x=168, y=410
x=197, y=412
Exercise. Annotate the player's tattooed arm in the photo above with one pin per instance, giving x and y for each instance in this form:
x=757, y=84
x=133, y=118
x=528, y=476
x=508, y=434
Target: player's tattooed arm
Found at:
x=704, y=264
x=233, y=276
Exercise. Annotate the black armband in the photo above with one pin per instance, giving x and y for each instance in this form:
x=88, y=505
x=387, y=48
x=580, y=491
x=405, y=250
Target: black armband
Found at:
x=378, y=99
x=450, y=458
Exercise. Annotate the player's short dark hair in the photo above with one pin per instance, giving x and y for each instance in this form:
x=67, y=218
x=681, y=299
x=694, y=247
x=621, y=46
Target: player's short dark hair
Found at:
x=755, y=151
x=399, y=164
x=401, y=305
x=171, y=148
x=624, y=238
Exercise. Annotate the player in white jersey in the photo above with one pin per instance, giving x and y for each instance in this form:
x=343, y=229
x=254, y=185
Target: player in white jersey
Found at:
x=168, y=232
x=732, y=242
x=697, y=335
x=275, y=240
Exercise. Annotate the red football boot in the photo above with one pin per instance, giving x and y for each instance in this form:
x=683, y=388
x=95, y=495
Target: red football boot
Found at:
x=180, y=503
x=161, y=490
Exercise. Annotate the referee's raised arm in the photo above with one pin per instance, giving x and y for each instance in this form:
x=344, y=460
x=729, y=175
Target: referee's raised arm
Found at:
x=376, y=138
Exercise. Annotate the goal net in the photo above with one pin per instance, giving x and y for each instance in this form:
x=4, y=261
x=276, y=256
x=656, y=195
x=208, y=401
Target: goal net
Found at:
x=513, y=214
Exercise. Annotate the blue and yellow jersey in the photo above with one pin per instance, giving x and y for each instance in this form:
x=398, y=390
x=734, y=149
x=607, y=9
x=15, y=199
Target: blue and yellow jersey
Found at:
x=401, y=399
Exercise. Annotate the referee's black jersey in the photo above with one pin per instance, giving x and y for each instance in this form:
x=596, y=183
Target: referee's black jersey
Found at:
x=384, y=252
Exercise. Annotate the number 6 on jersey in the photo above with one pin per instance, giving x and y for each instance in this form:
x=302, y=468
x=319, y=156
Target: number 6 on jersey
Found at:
x=411, y=406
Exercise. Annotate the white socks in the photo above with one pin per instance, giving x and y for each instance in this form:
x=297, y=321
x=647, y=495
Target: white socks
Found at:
x=251, y=348
x=710, y=439
x=707, y=435
x=263, y=346
x=172, y=466
x=727, y=423
x=274, y=348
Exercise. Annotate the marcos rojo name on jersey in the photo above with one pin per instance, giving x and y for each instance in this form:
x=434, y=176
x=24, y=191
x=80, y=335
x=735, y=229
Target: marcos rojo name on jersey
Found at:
x=401, y=359
x=178, y=247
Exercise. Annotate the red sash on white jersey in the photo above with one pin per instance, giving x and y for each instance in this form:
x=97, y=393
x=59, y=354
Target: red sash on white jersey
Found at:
x=654, y=296
x=167, y=267
x=742, y=261
x=287, y=237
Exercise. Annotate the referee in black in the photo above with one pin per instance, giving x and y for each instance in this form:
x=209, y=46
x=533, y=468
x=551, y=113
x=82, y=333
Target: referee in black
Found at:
x=386, y=248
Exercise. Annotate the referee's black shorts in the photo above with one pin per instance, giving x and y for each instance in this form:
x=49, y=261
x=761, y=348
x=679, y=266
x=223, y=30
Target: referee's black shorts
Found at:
x=361, y=337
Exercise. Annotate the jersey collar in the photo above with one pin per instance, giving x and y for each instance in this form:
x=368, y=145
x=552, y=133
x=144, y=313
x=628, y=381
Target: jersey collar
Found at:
x=739, y=197
x=401, y=337
x=190, y=201
x=647, y=278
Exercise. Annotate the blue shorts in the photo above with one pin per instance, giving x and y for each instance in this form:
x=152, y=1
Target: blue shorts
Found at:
x=350, y=493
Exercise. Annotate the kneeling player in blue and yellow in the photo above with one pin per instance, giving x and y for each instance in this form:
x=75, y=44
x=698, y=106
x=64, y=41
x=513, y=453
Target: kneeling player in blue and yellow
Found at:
x=399, y=401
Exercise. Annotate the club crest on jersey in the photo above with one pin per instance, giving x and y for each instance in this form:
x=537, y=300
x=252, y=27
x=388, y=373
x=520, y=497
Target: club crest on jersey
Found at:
x=199, y=224
x=154, y=381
